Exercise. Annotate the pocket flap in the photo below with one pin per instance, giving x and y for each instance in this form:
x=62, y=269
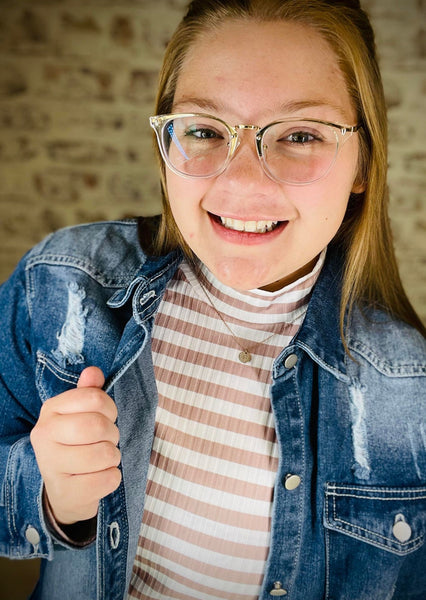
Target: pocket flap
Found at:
x=391, y=518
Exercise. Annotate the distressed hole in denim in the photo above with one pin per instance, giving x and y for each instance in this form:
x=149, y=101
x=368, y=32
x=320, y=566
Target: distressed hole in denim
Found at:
x=361, y=466
x=71, y=337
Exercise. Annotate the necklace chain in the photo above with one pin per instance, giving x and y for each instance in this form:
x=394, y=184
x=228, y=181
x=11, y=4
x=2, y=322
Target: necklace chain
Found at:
x=245, y=355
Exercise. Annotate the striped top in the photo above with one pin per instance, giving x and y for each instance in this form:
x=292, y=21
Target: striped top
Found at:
x=206, y=525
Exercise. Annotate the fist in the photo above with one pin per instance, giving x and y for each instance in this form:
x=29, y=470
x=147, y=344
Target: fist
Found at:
x=75, y=443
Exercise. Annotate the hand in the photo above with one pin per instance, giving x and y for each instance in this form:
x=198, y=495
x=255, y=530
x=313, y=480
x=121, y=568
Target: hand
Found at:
x=75, y=442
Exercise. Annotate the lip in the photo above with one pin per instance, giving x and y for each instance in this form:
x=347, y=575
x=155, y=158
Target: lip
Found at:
x=245, y=237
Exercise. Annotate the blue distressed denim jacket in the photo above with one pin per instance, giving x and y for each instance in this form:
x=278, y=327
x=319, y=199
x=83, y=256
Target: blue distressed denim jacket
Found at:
x=352, y=428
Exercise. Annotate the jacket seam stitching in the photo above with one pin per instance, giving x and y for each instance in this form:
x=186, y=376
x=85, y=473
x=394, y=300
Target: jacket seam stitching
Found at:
x=85, y=267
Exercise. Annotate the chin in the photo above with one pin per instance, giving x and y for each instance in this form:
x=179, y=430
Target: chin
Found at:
x=239, y=274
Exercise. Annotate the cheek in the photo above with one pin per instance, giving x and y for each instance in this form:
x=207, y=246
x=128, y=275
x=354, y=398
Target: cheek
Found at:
x=335, y=191
x=321, y=212
x=178, y=193
x=185, y=200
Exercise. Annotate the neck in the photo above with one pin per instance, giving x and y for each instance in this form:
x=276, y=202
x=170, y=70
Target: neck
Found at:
x=281, y=283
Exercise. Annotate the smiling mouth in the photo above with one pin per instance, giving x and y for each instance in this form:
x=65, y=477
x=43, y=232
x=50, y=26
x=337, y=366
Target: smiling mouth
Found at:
x=248, y=226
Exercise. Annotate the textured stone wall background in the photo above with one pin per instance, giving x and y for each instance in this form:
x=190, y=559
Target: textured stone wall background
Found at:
x=77, y=83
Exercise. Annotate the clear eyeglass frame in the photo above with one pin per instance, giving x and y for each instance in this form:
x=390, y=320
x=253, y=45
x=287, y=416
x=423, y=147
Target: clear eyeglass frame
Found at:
x=159, y=124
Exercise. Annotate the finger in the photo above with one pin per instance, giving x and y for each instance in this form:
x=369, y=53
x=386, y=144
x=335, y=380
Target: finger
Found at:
x=90, y=486
x=80, y=460
x=91, y=377
x=77, y=497
x=82, y=429
x=82, y=400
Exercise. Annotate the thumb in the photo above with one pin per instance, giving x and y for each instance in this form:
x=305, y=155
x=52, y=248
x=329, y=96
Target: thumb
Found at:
x=91, y=377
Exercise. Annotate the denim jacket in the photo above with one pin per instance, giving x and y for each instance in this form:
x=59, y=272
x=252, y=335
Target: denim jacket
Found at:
x=350, y=426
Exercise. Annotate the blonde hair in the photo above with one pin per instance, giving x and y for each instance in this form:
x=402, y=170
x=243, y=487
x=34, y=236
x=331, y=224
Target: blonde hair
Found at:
x=371, y=275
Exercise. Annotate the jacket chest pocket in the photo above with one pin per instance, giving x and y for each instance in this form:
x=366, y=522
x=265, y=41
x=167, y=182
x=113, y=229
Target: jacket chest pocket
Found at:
x=371, y=532
x=52, y=379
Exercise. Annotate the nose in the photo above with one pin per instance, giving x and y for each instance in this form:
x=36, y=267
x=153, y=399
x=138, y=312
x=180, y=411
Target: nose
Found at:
x=245, y=167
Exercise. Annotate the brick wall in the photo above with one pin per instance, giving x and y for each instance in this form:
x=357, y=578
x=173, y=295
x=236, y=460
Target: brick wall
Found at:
x=77, y=82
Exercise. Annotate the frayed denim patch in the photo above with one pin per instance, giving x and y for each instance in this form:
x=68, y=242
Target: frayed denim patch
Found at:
x=418, y=446
x=71, y=337
x=361, y=466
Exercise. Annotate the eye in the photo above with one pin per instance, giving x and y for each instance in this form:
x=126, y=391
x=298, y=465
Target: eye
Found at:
x=300, y=137
x=299, y=134
x=202, y=133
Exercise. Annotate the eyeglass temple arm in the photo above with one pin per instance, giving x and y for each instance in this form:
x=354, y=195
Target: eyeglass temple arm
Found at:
x=174, y=137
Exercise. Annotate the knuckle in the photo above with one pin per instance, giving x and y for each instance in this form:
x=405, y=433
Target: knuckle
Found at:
x=96, y=422
x=116, y=435
x=112, y=411
x=109, y=481
x=114, y=478
x=111, y=454
x=102, y=403
x=47, y=406
x=39, y=435
x=97, y=398
x=34, y=436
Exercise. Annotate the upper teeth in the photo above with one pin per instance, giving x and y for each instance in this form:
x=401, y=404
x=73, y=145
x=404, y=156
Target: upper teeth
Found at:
x=250, y=226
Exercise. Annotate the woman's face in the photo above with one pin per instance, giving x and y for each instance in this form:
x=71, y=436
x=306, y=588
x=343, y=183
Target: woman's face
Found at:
x=256, y=73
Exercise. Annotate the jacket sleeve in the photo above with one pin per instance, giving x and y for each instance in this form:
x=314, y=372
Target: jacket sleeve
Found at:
x=23, y=530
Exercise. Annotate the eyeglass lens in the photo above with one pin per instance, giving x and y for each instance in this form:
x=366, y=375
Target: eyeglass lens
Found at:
x=292, y=151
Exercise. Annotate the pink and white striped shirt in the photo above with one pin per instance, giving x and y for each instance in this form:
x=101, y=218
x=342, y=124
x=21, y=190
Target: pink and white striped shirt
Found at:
x=206, y=526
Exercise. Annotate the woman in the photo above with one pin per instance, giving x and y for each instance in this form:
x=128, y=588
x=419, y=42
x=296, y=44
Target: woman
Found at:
x=263, y=366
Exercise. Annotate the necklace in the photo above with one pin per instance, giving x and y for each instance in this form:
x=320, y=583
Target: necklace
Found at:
x=245, y=355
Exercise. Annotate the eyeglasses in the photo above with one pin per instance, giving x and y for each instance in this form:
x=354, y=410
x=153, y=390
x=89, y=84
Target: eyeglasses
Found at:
x=293, y=151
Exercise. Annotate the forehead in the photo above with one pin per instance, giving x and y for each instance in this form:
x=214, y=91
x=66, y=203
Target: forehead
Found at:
x=251, y=68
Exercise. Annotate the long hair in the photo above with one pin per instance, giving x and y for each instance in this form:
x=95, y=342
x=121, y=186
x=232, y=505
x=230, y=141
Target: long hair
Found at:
x=371, y=276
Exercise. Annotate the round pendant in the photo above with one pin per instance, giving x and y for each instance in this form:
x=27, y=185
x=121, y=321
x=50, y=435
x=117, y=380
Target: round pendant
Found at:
x=244, y=356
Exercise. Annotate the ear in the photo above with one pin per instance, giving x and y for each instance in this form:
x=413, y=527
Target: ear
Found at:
x=358, y=187
x=359, y=183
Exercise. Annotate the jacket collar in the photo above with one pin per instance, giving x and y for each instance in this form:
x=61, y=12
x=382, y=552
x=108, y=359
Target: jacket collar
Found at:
x=319, y=335
x=147, y=286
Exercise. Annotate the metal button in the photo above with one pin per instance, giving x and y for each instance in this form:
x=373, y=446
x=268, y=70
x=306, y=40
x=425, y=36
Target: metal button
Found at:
x=401, y=529
x=278, y=590
x=32, y=535
x=291, y=482
x=290, y=361
x=144, y=299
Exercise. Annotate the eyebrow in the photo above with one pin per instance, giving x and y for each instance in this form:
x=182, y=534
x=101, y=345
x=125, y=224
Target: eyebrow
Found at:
x=296, y=105
x=202, y=103
x=290, y=107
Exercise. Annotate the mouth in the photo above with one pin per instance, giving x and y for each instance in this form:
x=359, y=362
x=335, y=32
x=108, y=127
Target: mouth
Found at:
x=257, y=227
x=249, y=226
